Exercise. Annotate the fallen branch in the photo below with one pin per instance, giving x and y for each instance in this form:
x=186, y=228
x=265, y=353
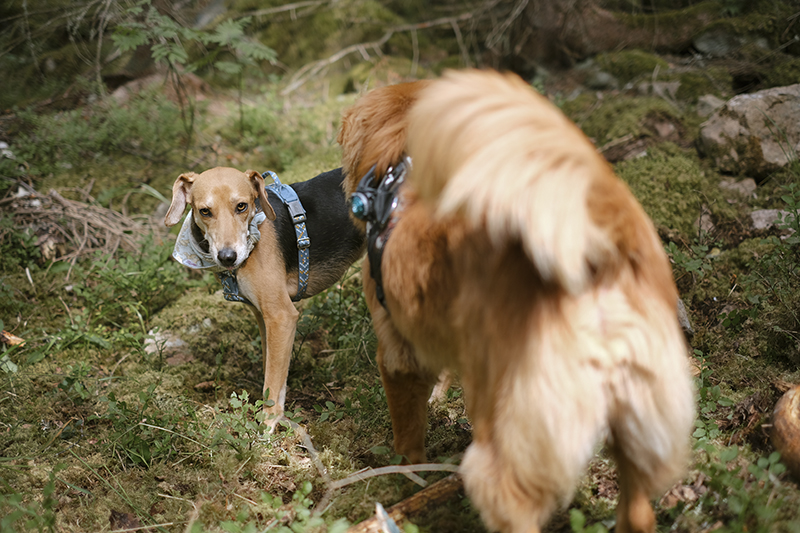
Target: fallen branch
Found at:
x=66, y=230
x=406, y=470
x=419, y=503
x=310, y=70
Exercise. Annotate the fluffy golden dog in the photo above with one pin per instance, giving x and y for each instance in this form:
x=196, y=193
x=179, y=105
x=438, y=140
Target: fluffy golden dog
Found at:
x=518, y=258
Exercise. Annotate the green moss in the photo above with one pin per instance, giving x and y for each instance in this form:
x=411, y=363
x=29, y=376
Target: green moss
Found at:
x=628, y=65
x=786, y=71
x=671, y=187
x=694, y=84
x=673, y=18
x=580, y=107
x=307, y=167
x=617, y=117
x=308, y=38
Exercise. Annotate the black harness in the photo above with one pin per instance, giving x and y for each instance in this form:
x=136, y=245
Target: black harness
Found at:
x=375, y=205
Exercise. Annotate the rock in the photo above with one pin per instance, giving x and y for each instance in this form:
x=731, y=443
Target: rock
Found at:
x=746, y=187
x=766, y=218
x=600, y=81
x=704, y=222
x=706, y=105
x=685, y=322
x=171, y=347
x=754, y=134
x=720, y=42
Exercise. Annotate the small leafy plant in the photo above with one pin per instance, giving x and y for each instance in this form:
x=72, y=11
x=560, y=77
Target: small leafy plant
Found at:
x=710, y=400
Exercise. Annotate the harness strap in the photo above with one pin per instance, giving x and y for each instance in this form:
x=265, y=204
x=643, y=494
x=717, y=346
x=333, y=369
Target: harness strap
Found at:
x=230, y=287
x=375, y=204
x=298, y=214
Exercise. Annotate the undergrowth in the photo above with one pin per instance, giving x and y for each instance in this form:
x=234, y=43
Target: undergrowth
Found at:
x=99, y=417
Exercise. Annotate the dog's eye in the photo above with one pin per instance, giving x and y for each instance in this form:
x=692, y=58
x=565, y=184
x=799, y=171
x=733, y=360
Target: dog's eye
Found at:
x=206, y=212
x=241, y=208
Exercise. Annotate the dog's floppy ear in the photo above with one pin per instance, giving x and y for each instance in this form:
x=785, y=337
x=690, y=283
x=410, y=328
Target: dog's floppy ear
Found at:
x=180, y=197
x=258, y=185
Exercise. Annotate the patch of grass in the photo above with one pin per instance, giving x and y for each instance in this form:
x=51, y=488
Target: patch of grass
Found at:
x=148, y=127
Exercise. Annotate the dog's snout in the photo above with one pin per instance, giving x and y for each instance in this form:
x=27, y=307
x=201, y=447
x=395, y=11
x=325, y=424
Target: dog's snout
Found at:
x=227, y=257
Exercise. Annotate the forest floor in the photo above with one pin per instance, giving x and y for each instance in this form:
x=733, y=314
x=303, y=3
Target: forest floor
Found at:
x=132, y=403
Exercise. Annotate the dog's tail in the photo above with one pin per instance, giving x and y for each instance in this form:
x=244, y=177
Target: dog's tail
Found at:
x=487, y=146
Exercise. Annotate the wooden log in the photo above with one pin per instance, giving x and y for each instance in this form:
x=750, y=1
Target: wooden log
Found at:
x=424, y=500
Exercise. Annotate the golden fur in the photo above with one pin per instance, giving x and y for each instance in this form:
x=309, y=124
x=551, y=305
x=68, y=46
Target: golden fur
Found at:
x=519, y=259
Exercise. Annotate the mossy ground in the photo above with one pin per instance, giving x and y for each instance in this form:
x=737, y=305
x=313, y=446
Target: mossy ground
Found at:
x=94, y=424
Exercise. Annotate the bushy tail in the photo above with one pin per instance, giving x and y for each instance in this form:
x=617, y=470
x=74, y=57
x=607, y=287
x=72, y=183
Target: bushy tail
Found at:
x=486, y=145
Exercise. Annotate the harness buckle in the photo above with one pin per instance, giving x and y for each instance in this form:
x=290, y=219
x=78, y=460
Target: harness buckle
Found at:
x=303, y=243
x=296, y=211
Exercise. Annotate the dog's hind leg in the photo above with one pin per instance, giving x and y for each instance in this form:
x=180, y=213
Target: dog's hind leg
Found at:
x=651, y=419
x=634, y=513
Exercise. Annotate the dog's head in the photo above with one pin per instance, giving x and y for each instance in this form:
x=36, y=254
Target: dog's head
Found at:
x=223, y=202
x=374, y=131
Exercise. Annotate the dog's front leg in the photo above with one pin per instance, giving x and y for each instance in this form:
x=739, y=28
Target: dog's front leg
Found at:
x=277, y=330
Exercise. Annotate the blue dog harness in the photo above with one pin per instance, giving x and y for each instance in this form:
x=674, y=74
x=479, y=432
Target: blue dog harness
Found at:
x=298, y=213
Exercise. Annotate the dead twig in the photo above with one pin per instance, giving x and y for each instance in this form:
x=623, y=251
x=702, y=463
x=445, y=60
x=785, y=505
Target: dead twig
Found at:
x=424, y=500
x=310, y=70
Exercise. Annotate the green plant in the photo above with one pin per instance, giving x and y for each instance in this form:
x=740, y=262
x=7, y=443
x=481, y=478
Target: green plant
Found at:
x=279, y=134
x=141, y=432
x=147, y=126
x=244, y=426
x=710, y=399
x=226, y=49
x=771, y=281
x=331, y=410
x=297, y=516
x=342, y=312
x=130, y=288
x=37, y=515
x=744, y=499
x=577, y=523
x=74, y=383
x=17, y=247
x=735, y=319
x=696, y=262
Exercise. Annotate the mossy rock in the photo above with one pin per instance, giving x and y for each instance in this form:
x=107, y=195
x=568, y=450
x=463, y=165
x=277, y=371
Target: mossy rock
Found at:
x=617, y=117
x=785, y=72
x=305, y=39
x=694, y=84
x=671, y=186
x=580, y=107
x=628, y=65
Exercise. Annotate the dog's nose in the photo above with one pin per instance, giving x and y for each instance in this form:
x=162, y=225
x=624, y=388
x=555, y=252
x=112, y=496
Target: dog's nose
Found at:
x=226, y=257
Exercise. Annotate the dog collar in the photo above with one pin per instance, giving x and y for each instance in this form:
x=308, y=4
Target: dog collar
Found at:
x=190, y=253
x=375, y=205
x=298, y=214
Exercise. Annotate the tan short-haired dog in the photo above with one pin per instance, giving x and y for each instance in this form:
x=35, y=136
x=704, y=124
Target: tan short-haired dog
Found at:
x=228, y=231
x=515, y=256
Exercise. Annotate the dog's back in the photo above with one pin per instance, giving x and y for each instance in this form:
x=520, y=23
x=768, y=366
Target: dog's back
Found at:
x=336, y=243
x=566, y=307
